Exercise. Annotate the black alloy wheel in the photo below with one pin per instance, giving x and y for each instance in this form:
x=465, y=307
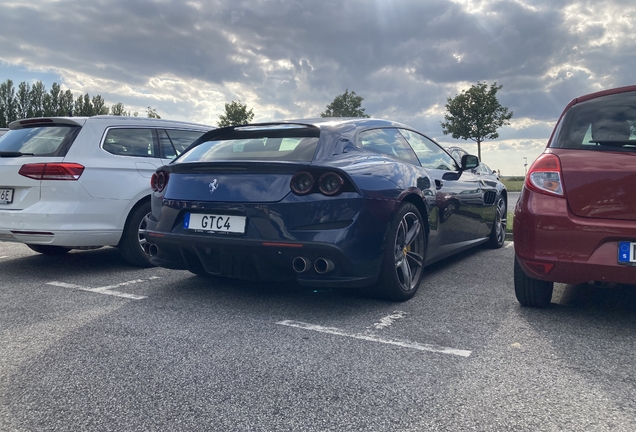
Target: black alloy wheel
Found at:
x=133, y=245
x=498, y=233
x=404, y=251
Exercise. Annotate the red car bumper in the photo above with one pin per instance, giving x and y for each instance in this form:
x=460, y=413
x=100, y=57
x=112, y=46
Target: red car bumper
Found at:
x=552, y=244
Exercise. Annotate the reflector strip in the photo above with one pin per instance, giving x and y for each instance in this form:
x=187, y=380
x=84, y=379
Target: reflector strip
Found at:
x=275, y=244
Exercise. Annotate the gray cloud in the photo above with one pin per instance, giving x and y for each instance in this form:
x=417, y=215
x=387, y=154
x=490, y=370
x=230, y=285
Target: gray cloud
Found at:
x=291, y=58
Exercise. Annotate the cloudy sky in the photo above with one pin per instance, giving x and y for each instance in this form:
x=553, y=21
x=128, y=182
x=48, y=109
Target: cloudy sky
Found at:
x=290, y=58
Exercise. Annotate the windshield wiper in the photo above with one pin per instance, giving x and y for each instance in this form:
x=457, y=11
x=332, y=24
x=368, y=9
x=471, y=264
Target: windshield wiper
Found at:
x=14, y=154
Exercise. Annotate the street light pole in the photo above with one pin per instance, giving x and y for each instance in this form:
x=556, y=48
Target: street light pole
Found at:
x=525, y=166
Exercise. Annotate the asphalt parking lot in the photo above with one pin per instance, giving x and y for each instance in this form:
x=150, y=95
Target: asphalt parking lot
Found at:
x=89, y=343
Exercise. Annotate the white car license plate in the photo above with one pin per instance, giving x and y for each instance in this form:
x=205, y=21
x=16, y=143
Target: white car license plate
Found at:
x=214, y=223
x=6, y=196
x=627, y=252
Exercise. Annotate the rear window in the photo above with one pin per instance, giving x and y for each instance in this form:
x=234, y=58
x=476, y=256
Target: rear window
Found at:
x=174, y=142
x=607, y=123
x=290, y=149
x=39, y=141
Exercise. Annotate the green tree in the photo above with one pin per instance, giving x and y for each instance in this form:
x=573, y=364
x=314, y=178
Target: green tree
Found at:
x=24, y=100
x=55, y=97
x=152, y=113
x=118, y=109
x=38, y=90
x=51, y=101
x=345, y=105
x=78, y=109
x=8, y=103
x=475, y=114
x=99, y=105
x=235, y=114
x=66, y=104
x=88, y=109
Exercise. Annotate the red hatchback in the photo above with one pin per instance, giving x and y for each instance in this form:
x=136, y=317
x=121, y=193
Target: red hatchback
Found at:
x=575, y=220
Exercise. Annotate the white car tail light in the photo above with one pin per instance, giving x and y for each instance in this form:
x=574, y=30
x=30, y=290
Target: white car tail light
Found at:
x=52, y=171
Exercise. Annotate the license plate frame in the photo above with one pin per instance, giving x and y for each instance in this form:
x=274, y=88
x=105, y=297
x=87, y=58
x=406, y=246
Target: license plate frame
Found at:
x=215, y=223
x=6, y=195
x=627, y=253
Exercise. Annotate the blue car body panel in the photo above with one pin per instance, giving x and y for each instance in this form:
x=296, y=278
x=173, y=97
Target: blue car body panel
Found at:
x=348, y=228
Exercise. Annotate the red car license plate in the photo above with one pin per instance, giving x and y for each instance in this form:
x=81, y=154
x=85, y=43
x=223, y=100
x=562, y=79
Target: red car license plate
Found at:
x=626, y=252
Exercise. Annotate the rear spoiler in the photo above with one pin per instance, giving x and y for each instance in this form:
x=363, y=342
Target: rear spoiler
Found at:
x=47, y=121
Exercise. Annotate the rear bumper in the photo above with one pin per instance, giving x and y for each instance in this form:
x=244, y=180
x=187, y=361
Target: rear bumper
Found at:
x=260, y=260
x=581, y=249
x=71, y=223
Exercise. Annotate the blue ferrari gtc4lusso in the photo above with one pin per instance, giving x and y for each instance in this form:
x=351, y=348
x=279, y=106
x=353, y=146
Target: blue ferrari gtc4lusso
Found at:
x=326, y=202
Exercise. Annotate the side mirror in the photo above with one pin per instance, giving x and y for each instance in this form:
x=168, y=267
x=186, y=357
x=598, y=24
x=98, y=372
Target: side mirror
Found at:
x=469, y=162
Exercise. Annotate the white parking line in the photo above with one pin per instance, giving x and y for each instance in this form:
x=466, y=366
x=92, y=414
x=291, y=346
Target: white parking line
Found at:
x=106, y=289
x=388, y=320
x=4, y=256
x=509, y=245
x=403, y=344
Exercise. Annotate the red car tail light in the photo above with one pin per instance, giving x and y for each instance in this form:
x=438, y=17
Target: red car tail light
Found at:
x=330, y=183
x=52, y=171
x=545, y=176
x=302, y=183
x=159, y=181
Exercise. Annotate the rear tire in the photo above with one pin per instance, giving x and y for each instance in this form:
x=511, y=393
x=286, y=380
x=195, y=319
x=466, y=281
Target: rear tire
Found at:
x=49, y=250
x=531, y=292
x=498, y=233
x=131, y=245
x=403, y=261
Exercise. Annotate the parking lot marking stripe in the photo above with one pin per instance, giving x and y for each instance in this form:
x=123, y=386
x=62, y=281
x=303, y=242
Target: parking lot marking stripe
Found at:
x=108, y=287
x=509, y=245
x=388, y=320
x=102, y=290
x=4, y=256
x=403, y=344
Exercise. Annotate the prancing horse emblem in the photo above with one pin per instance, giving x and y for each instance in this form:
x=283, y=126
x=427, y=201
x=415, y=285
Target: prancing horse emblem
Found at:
x=213, y=186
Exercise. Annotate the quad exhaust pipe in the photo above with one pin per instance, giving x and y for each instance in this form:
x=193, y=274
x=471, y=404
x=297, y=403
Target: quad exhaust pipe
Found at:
x=300, y=264
x=153, y=250
x=321, y=265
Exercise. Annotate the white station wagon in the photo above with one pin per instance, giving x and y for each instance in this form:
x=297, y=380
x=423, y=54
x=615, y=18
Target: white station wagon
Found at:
x=84, y=182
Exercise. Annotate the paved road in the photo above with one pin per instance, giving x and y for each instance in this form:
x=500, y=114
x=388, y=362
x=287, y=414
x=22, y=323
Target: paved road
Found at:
x=90, y=344
x=513, y=197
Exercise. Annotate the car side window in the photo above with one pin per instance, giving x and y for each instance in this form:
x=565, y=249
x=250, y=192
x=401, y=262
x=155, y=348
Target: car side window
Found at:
x=428, y=152
x=136, y=142
x=173, y=142
x=387, y=141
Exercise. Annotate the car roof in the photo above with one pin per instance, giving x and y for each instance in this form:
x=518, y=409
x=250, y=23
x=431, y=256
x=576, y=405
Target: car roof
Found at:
x=119, y=120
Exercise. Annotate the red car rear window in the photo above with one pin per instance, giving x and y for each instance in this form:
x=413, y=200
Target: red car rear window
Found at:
x=606, y=123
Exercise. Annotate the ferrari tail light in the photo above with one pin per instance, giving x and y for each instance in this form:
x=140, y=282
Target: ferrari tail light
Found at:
x=545, y=176
x=52, y=171
x=159, y=181
x=330, y=183
x=302, y=183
